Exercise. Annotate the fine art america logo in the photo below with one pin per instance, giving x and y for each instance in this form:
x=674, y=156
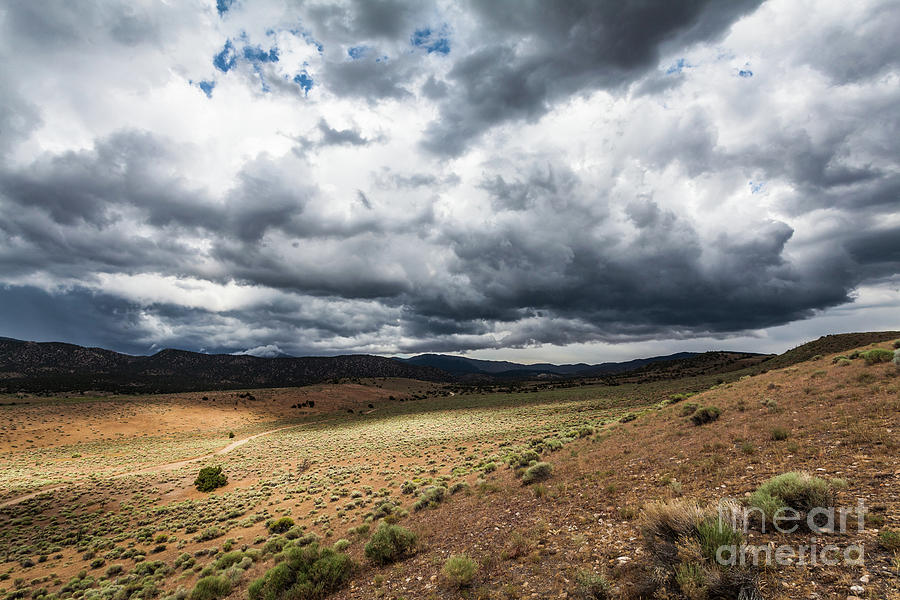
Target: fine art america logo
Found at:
x=819, y=521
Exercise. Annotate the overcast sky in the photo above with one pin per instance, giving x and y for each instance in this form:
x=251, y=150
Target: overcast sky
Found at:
x=563, y=181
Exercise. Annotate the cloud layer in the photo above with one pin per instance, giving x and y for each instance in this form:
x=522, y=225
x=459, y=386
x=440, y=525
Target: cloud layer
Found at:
x=397, y=177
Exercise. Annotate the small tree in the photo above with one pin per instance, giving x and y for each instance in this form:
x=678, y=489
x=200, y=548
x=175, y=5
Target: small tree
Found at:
x=210, y=478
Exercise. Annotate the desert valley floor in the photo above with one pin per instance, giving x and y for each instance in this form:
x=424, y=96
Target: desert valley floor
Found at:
x=97, y=498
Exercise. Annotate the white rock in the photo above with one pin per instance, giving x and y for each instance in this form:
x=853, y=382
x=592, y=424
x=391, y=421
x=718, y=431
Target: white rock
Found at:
x=857, y=589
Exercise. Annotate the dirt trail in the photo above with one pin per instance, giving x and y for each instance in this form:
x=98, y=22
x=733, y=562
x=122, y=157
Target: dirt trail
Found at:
x=169, y=466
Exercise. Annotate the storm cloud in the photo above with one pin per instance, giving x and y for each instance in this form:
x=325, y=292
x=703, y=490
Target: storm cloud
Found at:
x=397, y=177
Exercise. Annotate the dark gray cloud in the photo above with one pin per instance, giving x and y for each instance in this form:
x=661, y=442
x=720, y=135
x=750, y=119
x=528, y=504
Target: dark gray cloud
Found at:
x=339, y=137
x=571, y=47
x=369, y=80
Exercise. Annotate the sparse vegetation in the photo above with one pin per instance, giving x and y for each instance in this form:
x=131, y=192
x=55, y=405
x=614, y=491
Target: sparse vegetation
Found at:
x=342, y=475
x=592, y=586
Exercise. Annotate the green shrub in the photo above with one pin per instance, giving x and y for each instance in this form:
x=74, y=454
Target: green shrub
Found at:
x=688, y=409
x=460, y=570
x=591, y=586
x=797, y=490
x=896, y=344
x=843, y=361
x=890, y=539
x=691, y=579
x=274, y=544
x=537, y=472
x=210, y=533
x=878, y=355
x=228, y=559
x=704, y=415
x=390, y=543
x=523, y=459
x=280, y=525
x=341, y=545
x=308, y=573
x=458, y=487
x=586, y=431
x=628, y=418
x=780, y=433
x=212, y=587
x=113, y=570
x=210, y=478
x=897, y=357
x=713, y=534
x=430, y=497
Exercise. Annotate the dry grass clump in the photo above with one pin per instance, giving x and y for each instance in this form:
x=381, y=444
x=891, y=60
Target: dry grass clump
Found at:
x=692, y=554
x=460, y=570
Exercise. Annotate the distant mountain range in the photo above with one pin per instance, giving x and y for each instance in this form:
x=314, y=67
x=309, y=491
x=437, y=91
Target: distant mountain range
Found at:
x=460, y=365
x=53, y=366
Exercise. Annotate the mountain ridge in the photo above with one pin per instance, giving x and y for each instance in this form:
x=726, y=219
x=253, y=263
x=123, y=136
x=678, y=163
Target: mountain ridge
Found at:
x=464, y=365
x=57, y=366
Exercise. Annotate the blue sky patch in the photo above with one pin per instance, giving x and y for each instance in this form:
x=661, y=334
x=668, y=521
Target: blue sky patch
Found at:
x=207, y=87
x=756, y=186
x=226, y=59
x=308, y=38
x=304, y=81
x=357, y=52
x=256, y=54
x=223, y=5
x=680, y=65
x=430, y=40
x=745, y=73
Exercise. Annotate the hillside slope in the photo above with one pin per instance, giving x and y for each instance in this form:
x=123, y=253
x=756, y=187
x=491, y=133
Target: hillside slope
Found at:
x=830, y=419
x=828, y=344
